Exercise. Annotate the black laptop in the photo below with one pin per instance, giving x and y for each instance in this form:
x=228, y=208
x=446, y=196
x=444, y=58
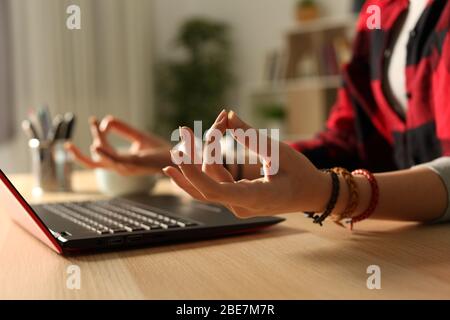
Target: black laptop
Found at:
x=74, y=227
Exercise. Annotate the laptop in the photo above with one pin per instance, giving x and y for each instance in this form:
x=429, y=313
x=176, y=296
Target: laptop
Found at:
x=118, y=223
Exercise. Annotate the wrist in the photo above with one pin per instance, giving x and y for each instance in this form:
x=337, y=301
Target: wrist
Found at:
x=322, y=188
x=364, y=195
x=343, y=199
x=365, y=191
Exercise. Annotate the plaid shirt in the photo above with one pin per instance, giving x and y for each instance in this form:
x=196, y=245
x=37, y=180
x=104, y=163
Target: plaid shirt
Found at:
x=365, y=129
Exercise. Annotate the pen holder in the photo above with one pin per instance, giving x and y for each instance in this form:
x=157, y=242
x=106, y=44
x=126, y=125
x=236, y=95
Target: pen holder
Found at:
x=52, y=166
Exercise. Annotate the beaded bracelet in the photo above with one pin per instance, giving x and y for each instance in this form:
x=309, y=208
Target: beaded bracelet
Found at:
x=353, y=194
x=375, y=196
x=318, y=219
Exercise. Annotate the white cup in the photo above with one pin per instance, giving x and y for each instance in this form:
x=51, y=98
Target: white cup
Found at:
x=113, y=184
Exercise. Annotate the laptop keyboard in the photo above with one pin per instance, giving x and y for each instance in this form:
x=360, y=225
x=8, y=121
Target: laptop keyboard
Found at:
x=113, y=217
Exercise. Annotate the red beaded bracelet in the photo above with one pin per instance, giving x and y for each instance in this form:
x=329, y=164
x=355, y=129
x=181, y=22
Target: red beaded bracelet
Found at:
x=374, y=197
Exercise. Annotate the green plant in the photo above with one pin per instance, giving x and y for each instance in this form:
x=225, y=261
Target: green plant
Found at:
x=195, y=87
x=272, y=111
x=306, y=3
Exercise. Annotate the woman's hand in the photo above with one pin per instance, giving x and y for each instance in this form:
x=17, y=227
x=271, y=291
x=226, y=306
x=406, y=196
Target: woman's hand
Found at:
x=297, y=186
x=147, y=154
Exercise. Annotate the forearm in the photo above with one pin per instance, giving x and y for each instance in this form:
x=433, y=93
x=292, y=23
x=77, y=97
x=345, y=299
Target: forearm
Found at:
x=408, y=195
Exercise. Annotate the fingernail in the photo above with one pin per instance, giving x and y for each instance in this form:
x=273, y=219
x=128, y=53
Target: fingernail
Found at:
x=92, y=120
x=176, y=153
x=177, y=157
x=221, y=116
x=209, y=135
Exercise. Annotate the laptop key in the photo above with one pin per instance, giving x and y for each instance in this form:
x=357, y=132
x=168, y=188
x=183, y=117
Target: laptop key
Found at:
x=189, y=224
x=108, y=217
x=173, y=225
x=136, y=228
x=168, y=225
x=146, y=227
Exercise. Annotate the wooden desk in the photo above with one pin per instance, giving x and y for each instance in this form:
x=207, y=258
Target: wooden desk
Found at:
x=294, y=260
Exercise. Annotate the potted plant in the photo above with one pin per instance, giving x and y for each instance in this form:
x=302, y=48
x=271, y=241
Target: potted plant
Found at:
x=273, y=115
x=307, y=10
x=195, y=85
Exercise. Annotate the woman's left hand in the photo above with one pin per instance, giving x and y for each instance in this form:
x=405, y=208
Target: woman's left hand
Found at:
x=297, y=186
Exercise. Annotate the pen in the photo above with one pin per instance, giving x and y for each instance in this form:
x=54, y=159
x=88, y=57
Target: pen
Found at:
x=35, y=124
x=56, y=131
x=45, y=121
x=69, y=119
x=29, y=129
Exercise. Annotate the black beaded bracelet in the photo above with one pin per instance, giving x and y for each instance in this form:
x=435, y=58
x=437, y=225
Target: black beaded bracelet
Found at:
x=331, y=203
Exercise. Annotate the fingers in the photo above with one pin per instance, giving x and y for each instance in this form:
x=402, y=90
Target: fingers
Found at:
x=233, y=194
x=117, y=158
x=202, y=182
x=234, y=122
x=97, y=135
x=110, y=123
x=212, y=155
x=144, y=162
x=80, y=157
x=251, y=138
x=98, y=140
x=179, y=179
x=192, y=152
x=95, y=131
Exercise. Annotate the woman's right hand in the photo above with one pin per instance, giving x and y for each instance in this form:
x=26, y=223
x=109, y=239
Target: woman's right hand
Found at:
x=148, y=154
x=289, y=183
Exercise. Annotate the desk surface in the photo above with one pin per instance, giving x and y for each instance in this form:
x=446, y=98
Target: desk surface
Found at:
x=294, y=260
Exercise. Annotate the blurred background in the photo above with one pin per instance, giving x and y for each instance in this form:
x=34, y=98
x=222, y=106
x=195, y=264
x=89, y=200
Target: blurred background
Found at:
x=162, y=63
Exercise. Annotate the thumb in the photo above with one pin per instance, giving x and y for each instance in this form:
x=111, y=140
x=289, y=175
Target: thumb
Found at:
x=234, y=122
x=254, y=140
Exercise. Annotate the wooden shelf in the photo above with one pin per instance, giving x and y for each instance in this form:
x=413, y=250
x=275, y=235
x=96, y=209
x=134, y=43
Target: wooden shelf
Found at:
x=314, y=82
x=305, y=79
x=324, y=24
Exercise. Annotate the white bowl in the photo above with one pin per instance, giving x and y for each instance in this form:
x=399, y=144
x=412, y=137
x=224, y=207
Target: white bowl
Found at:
x=113, y=184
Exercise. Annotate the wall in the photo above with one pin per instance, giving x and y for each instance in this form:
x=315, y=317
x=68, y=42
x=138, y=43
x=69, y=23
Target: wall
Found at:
x=258, y=26
x=106, y=67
